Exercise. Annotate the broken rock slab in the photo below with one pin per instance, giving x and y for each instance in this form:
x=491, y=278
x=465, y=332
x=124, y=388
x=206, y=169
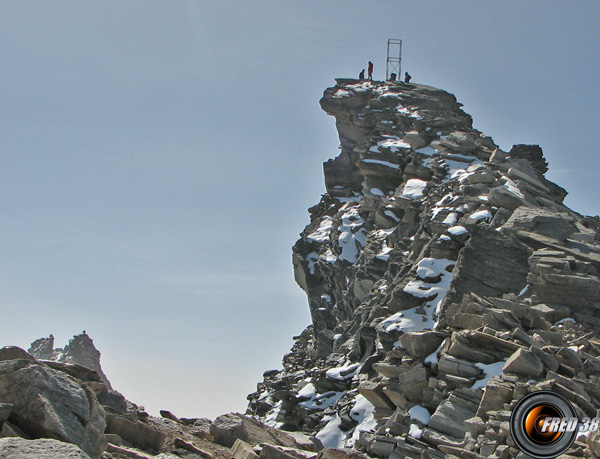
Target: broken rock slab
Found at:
x=524, y=363
x=226, y=429
x=421, y=344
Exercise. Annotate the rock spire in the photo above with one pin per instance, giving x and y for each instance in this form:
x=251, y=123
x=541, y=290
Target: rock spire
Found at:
x=445, y=278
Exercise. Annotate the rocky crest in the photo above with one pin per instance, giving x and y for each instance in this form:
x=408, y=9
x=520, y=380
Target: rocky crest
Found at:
x=445, y=278
x=80, y=350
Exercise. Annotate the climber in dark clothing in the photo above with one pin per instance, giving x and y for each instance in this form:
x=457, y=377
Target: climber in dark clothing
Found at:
x=370, y=70
x=407, y=77
x=361, y=75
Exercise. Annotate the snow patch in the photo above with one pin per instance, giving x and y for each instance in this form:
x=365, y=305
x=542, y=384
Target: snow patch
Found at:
x=381, y=163
x=321, y=234
x=423, y=318
x=392, y=142
x=458, y=230
x=489, y=370
x=419, y=413
x=482, y=215
x=362, y=412
x=414, y=188
x=331, y=435
x=347, y=371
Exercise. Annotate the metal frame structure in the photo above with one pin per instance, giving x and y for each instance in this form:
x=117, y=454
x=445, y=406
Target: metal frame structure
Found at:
x=393, y=64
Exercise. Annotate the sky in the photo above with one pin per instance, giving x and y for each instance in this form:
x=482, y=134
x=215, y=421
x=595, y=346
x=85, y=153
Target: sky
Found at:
x=157, y=160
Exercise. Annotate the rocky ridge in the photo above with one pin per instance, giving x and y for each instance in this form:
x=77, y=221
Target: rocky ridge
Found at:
x=445, y=278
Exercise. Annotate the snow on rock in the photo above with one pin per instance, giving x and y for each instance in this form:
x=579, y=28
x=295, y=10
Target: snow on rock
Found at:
x=458, y=230
x=433, y=357
x=376, y=192
x=344, y=372
x=392, y=142
x=414, y=319
x=351, y=235
x=331, y=435
x=322, y=233
x=341, y=93
x=489, y=370
x=320, y=401
x=381, y=163
x=362, y=412
x=414, y=188
x=415, y=431
x=419, y=413
x=482, y=215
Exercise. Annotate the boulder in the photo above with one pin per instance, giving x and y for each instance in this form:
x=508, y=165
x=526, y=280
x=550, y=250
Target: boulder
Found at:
x=243, y=450
x=497, y=393
x=373, y=392
x=540, y=221
x=501, y=197
x=490, y=264
x=421, y=344
x=13, y=353
x=524, y=363
x=43, y=448
x=226, y=429
x=449, y=418
x=49, y=403
x=136, y=433
x=280, y=452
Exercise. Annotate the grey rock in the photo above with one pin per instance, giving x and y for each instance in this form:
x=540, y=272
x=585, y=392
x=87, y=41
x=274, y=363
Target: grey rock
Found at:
x=136, y=433
x=13, y=353
x=242, y=450
x=80, y=351
x=5, y=410
x=449, y=418
x=501, y=197
x=535, y=220
x=48, y=403
x=19, y=448
x=524, y=363
x=229, y=427
x=421, y=344
x=496, y=394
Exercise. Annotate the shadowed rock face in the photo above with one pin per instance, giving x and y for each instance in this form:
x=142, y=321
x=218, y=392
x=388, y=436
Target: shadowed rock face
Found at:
x=445, y=279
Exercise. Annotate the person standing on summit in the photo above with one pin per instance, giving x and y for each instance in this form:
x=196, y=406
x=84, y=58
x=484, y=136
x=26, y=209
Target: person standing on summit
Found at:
x=370, y=70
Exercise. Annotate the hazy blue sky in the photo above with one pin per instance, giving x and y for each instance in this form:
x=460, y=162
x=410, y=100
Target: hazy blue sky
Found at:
x=157, y=159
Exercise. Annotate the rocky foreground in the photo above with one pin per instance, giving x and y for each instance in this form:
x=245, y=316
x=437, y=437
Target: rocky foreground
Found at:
x=445, y=278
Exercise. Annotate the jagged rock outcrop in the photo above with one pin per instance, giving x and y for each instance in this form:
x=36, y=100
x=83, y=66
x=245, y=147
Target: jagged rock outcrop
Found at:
x=445, y=278
x=80, y=350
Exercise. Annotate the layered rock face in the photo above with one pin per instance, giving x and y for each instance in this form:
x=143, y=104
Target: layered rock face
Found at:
x=445, y=279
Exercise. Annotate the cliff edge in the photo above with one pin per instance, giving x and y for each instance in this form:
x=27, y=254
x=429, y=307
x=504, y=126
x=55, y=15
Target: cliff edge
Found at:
x=445, y=278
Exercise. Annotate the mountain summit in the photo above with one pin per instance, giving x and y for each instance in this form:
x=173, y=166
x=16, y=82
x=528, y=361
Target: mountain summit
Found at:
x=445, y=278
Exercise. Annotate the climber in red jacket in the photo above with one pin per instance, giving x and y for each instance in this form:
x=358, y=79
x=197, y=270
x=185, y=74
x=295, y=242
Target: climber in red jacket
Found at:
x=370, y=70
